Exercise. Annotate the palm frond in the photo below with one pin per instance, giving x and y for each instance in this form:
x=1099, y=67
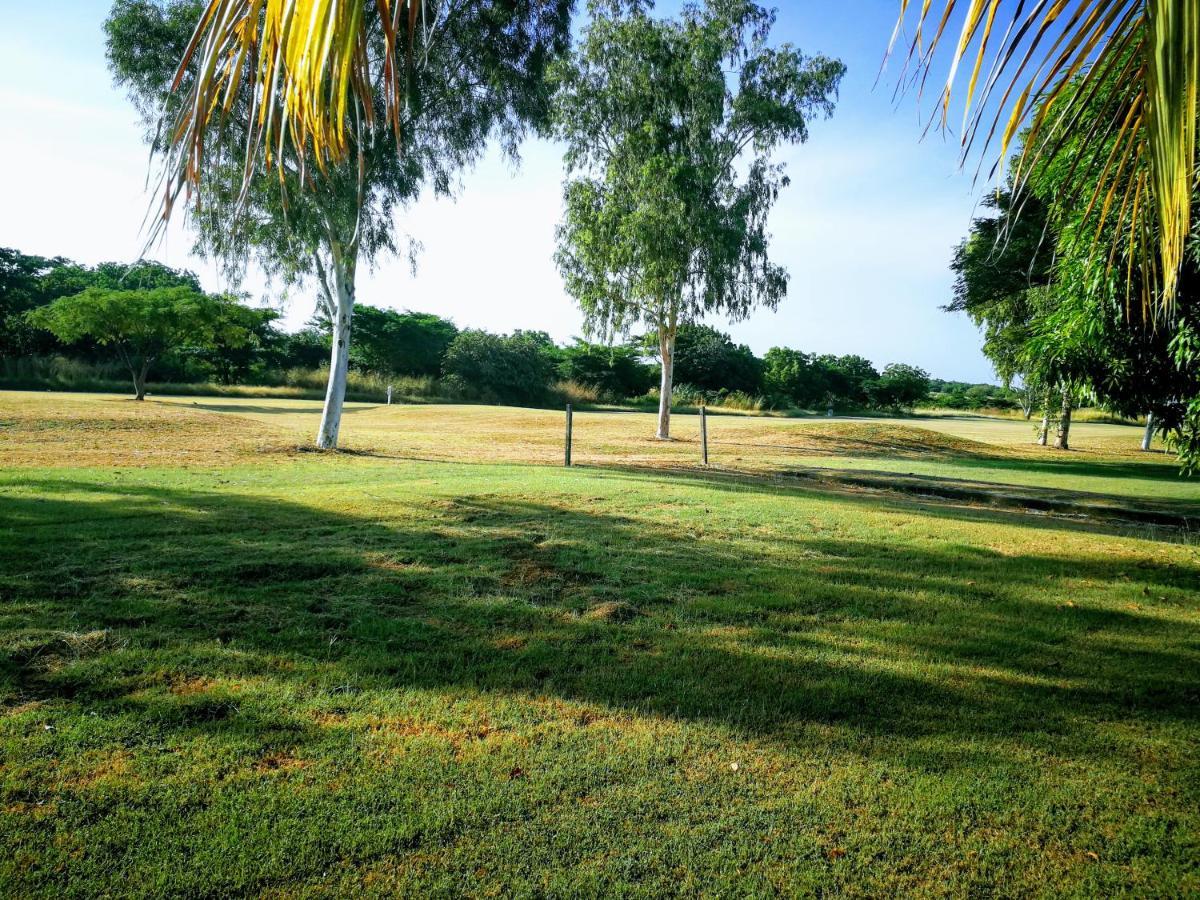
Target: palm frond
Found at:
x=1118, y=78
x=302, y=69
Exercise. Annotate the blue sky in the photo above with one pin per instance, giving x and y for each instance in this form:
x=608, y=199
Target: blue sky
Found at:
x=866, y=229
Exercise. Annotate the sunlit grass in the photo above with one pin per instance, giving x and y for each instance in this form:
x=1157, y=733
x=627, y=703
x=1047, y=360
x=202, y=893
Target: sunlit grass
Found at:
x=227, y=666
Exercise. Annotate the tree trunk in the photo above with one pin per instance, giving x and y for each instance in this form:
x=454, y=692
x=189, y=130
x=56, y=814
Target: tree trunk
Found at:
x=666, y=346
x=1062, y=438
x=1044, y=429
x=139, y=379
x=1027, y=404
x=1148, y=436
x=339, y=362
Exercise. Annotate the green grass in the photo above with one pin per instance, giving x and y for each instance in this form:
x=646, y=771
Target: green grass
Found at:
x=336, y=675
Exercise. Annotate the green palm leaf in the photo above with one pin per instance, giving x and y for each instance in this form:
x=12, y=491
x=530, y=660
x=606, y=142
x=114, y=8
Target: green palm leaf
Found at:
x=1037, y=67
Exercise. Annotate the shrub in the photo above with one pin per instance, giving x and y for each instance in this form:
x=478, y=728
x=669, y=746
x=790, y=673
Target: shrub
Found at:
x=516, y=368
x=578, y=394
x=614, y=371
x=741, y=400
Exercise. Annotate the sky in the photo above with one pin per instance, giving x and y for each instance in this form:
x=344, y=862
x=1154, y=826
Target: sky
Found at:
x=866, y=229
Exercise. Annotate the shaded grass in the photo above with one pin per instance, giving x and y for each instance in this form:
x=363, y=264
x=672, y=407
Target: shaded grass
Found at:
x=341, y=675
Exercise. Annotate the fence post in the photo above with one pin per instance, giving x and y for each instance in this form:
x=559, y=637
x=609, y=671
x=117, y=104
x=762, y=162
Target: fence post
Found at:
x=567, y=455
x=389, y=395
x=703, y=436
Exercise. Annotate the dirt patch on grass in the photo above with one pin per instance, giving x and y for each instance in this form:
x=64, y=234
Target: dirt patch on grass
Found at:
x=191, y=687
x=612, y=611
x=280, y=762
x=110, y=767
x=525, y=572
x=42, y=652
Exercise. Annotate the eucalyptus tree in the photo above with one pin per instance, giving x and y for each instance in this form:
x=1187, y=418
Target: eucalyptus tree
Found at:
x=670, y=126
x=291, y=136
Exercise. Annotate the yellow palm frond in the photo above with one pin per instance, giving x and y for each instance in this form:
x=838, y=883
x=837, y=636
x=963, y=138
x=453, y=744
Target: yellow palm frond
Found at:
x=1051, y=62
x=304, y=67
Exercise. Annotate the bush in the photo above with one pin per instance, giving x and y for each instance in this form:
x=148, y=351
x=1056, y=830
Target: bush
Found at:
x=978, y=397
x=578, y=394
x=615, y=372
x=516, y=368
x=740, y=400
x=688, y=395
x=816, y=382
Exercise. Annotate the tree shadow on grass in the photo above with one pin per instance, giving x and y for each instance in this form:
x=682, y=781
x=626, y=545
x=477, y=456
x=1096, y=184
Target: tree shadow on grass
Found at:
x=770, y=637
x=1065, y=464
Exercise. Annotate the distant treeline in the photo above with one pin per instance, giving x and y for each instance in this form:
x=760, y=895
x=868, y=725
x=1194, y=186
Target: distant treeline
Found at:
x=434, y=358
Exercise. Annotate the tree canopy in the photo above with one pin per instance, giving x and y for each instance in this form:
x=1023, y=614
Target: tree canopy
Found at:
x=142, y=325
x=708, y=359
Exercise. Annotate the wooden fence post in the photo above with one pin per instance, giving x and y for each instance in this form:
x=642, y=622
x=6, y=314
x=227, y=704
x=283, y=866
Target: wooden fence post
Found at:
x=567, y=455
x=703, y=435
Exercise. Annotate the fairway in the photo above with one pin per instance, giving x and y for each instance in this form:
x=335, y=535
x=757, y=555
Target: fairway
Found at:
x=440, y=664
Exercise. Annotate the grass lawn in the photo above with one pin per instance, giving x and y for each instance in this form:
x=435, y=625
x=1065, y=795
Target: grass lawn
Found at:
x=442, y=666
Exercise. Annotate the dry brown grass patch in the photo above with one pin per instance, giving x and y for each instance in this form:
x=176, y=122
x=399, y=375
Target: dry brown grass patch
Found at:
x=60, y=430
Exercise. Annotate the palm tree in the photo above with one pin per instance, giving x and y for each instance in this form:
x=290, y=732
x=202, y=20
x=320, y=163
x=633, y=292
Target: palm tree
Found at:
x=1035, y=68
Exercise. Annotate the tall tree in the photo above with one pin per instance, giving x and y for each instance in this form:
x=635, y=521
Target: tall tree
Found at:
x=1003, y=272
x=22, y=288
x=28, y=282
x=669, y=165
x=292, y=132
x=1057, y=318
x=395, y=343
x=901, y=386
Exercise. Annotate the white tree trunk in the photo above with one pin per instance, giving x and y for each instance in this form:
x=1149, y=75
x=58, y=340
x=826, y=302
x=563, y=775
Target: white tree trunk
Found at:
x=339, y=362
x=1148, y=435
x=1044, y=430
x=1062, y=440
x=666, y=346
